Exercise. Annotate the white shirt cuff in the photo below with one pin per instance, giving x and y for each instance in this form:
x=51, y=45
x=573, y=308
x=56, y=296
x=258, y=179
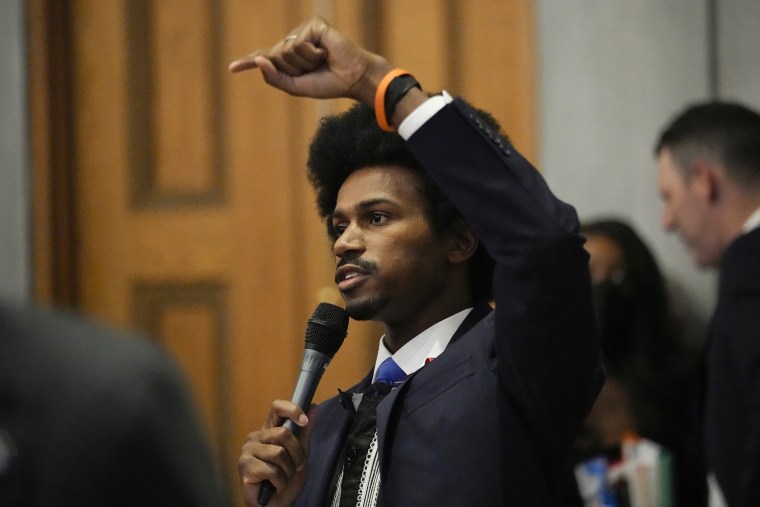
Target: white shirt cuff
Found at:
x=422, y=114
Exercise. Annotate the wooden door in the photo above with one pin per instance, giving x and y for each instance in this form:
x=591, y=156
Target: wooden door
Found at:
x=170, y=195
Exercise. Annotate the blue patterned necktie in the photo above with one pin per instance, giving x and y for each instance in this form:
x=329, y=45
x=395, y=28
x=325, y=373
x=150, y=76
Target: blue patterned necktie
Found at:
x=390, y=373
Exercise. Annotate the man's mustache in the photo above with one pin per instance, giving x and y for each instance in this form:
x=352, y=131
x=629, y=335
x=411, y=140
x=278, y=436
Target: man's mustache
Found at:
x=356, y=260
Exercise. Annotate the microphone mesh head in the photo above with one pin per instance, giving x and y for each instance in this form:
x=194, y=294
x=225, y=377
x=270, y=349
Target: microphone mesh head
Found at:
x=327, y=328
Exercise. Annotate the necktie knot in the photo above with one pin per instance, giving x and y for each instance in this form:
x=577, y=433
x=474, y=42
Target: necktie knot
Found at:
x=389, y=372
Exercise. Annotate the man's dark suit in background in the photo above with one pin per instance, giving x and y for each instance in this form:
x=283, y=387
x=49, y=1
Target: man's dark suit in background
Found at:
x=732, y=422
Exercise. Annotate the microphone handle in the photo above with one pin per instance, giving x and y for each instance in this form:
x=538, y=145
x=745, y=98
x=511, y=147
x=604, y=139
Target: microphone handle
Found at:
x=313, y=366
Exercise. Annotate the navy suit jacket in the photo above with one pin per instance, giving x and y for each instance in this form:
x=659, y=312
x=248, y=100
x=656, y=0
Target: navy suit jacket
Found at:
x=490, y=422
x=732, y=403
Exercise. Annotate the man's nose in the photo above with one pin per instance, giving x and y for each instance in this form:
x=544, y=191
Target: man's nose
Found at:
x=668, y=222
x=351, y=240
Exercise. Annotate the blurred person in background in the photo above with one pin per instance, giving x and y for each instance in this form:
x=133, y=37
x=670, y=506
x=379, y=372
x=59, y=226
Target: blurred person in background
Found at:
x=709, y=181
x=650, y=390
x=93, y=417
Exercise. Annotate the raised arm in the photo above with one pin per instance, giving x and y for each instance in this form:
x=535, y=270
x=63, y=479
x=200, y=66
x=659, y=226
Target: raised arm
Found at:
x=317, y=61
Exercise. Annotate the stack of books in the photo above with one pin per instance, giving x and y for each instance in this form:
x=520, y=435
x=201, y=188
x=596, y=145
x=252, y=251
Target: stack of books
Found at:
x=643, y=477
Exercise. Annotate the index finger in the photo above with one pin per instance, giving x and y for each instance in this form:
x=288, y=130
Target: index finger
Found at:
x=245, y=63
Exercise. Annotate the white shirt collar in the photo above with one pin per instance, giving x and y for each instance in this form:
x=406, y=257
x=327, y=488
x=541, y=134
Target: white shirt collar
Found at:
x=752, y=222
x=428, y=344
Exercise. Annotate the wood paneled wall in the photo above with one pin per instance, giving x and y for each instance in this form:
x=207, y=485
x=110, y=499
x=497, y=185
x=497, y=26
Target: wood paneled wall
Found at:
x=186, y=213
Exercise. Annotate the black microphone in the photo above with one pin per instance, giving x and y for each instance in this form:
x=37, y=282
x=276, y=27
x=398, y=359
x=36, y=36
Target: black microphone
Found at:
x=325, y=331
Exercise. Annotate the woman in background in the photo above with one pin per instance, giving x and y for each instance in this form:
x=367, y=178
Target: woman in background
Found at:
x=650, y=373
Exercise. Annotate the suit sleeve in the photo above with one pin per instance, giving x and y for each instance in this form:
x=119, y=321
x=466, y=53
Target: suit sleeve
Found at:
x=546, y=341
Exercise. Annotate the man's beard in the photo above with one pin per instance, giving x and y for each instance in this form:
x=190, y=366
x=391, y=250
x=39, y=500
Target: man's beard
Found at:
x=366, y=308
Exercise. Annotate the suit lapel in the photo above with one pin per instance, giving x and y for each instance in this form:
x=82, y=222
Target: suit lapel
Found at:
x=333, y=424
x=392, y=401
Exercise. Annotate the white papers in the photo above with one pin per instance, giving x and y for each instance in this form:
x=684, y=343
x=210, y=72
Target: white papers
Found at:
x=643, y=477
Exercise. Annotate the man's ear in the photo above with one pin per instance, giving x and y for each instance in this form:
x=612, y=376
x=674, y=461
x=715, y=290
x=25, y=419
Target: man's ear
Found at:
x=463, y=244
x=706, y=181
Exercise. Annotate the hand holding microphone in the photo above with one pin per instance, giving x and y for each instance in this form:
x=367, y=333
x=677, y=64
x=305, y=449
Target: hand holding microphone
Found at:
x=262, y=452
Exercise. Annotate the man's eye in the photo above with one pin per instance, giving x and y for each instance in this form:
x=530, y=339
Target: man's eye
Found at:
x=339, y=229
x=377, y=218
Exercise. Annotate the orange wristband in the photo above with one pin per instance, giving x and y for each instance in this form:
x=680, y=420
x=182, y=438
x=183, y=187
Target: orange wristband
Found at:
x=380, y=116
